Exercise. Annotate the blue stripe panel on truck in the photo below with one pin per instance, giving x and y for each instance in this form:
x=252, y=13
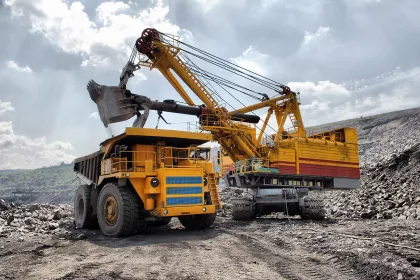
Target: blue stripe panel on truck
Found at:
x=183, y=200
x=184, y=180
x=184, y=190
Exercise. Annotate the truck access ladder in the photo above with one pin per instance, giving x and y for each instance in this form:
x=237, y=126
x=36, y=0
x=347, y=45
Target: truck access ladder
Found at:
x=214, y=192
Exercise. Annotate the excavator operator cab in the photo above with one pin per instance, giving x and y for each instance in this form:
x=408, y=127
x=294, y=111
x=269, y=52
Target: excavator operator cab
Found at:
x=199, y=153
x=191, y=155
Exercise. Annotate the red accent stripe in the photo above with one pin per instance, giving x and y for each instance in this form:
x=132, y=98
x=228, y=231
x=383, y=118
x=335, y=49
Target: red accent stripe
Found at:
x=330, y=161
x=281, y=161
x=330, y=171
x=285, y=169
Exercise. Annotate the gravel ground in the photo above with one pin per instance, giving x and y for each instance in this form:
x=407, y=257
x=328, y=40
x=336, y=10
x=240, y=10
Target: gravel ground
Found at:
x=262, y=249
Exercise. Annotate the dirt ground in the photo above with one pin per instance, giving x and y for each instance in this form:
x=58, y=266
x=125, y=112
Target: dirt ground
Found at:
x=261, y=249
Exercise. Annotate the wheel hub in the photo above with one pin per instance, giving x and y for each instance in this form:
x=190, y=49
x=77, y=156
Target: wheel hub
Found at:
x=110, y=210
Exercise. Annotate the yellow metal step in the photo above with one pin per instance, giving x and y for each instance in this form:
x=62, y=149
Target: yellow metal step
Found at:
x=214, y=192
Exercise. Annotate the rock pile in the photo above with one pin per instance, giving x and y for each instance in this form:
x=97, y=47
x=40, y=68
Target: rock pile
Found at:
x=34, y=220
x=389, y=189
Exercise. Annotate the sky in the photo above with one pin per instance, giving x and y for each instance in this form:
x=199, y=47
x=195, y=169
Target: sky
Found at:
x=347, y=58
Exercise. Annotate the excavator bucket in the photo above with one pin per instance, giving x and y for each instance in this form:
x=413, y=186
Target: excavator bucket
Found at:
x=113, y=103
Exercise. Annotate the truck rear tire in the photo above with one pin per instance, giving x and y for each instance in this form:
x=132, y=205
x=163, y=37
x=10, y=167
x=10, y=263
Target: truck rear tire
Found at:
x=83, y=217
x=118, y=210
x=312, y=209
x=194, y=222
x=243, y=209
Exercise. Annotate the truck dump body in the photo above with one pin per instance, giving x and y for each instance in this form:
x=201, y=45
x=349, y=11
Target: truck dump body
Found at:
x=88, y=167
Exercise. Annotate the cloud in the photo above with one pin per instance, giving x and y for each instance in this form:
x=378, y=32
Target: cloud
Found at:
x=18, y=151
x=108, y=10
x=104, y=42
x=207, y=5
x=320, y=88
x=6, y=107
x=94, y=115
x=320, y=34
x=325, y=102
x=13, y=65
x=251, y=59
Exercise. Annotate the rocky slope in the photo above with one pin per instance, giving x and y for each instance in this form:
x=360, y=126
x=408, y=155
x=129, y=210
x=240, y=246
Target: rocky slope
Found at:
x=20, y=222
x=390, y=168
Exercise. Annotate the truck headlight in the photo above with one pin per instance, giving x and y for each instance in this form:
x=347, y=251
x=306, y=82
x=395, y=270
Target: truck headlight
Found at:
x=154, y=182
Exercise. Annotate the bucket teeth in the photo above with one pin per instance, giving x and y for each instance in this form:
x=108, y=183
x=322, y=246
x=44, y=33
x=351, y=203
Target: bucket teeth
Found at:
x=92, y=88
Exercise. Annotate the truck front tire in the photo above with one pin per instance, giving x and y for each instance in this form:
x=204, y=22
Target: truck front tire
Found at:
x=118, y=210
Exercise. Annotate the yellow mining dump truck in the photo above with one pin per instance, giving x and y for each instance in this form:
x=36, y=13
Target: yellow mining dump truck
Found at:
x=146, y=177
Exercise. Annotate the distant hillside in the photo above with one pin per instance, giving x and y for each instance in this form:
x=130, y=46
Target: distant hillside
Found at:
x=54, y=184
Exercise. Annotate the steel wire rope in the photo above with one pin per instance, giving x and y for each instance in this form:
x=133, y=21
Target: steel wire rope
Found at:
x=273, y=82
x=236, y=100
x=225, y=67
x=244, y=106
x=231, y=85
x=215, y=92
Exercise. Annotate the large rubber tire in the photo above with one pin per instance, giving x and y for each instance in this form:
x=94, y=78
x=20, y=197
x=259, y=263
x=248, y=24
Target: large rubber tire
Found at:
x=243, y=209
x=83, y=217
x=162, y=222
x=312, y=209
x=194, y=222
x=126, y=209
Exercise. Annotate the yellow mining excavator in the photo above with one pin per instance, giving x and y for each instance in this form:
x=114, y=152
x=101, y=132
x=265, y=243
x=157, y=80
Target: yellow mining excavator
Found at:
x=151, y=175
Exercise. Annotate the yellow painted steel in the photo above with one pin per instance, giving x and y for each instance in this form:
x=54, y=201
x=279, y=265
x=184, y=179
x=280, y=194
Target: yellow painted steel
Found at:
x=267, y=119
x=145, y=163
x=135, y=131
x=181, y=211
x=241, y=142
x=251, y=108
